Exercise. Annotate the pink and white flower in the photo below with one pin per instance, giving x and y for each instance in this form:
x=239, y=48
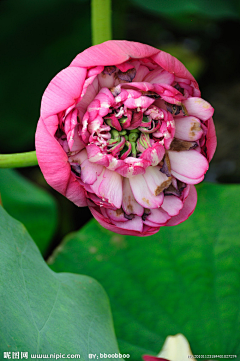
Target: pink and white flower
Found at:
x=124, y=131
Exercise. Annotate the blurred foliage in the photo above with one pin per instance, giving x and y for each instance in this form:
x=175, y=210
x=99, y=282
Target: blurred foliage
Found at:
x=46, y=312
x=29, y=204
x=39, y=39
x=183, y=279
x=176, y=8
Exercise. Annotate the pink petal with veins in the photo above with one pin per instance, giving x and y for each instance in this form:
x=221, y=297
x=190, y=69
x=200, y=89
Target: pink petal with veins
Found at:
x=90, y=171
x=159, y=76
x=95, y=155
x=172, y=205
x=158, y=216
x=135, y=224
x=173, y=66
x=187, y=179
x=142, y=193
x=187, y=210
x=129, y=204
x=116, y=216
x=125, y=66
x=211, y=142
x=154, y=154
x=63, y=91
x=75, y=192
x=141, y=73
x=188, y=128
x=143, y=102
x=88, y=97
x=198, y=108
x=156, y=180
x=189, y=163
x=113, y=52
x=109, y=186
x=54, y=164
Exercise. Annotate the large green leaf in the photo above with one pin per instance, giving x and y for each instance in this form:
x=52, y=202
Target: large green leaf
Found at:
x=184, y=279
x=210, y=9
x=46, y=312
x=32, y=206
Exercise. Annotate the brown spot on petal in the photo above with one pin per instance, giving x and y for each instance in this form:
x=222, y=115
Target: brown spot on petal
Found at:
x=130, y=208
x=174, y=109
x=164, y=185
x=184, y=110
x=119, y=211
x=109, y=70
x=150, y=94
x=166, y=167
x=145, y=214
x=179, y=145
x=195, y=128
x=146, y=200
x=127, y=76
x=171, y=190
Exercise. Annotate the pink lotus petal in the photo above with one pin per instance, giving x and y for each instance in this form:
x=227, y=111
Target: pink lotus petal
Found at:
x=113, y=52
x=93, y=109
x=173, y=66
x=172, y=205
x=75, y=192
x=90, y=171
x=98, y=201
x=211, y=142
x=106, y=100
x=141, y=102
x=129, y=204
x=88, y=97
x=142, y=193
x=146, y=231
x=63, y=91
x=52, y=159
x=95, y=124
x=76, y=144
x=79, y=157
x=109, y=186
x=187, y=210
x=132, y=166
x=158, y=216
x=144, y=86
x=125, y=66
x=153, y=358
x=95, y=71
x=159, y=76
x=135, y=224
x=116, y=215
x=142, y=71
x=95, y=155
x=154, y=154
x=188, y=128
x=106, y=80
x=190, y=163
x=156, y=180
x=187, y=180
x=198, y=108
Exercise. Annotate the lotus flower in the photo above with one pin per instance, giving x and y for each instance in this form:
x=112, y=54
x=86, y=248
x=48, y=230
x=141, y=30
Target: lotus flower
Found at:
x=124, y=131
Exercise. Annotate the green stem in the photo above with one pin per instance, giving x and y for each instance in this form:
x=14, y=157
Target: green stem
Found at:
x=18, y=160
x=101, y=21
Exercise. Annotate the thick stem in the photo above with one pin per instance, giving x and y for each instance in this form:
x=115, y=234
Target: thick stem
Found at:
x=18, y=160
x=101, y=21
